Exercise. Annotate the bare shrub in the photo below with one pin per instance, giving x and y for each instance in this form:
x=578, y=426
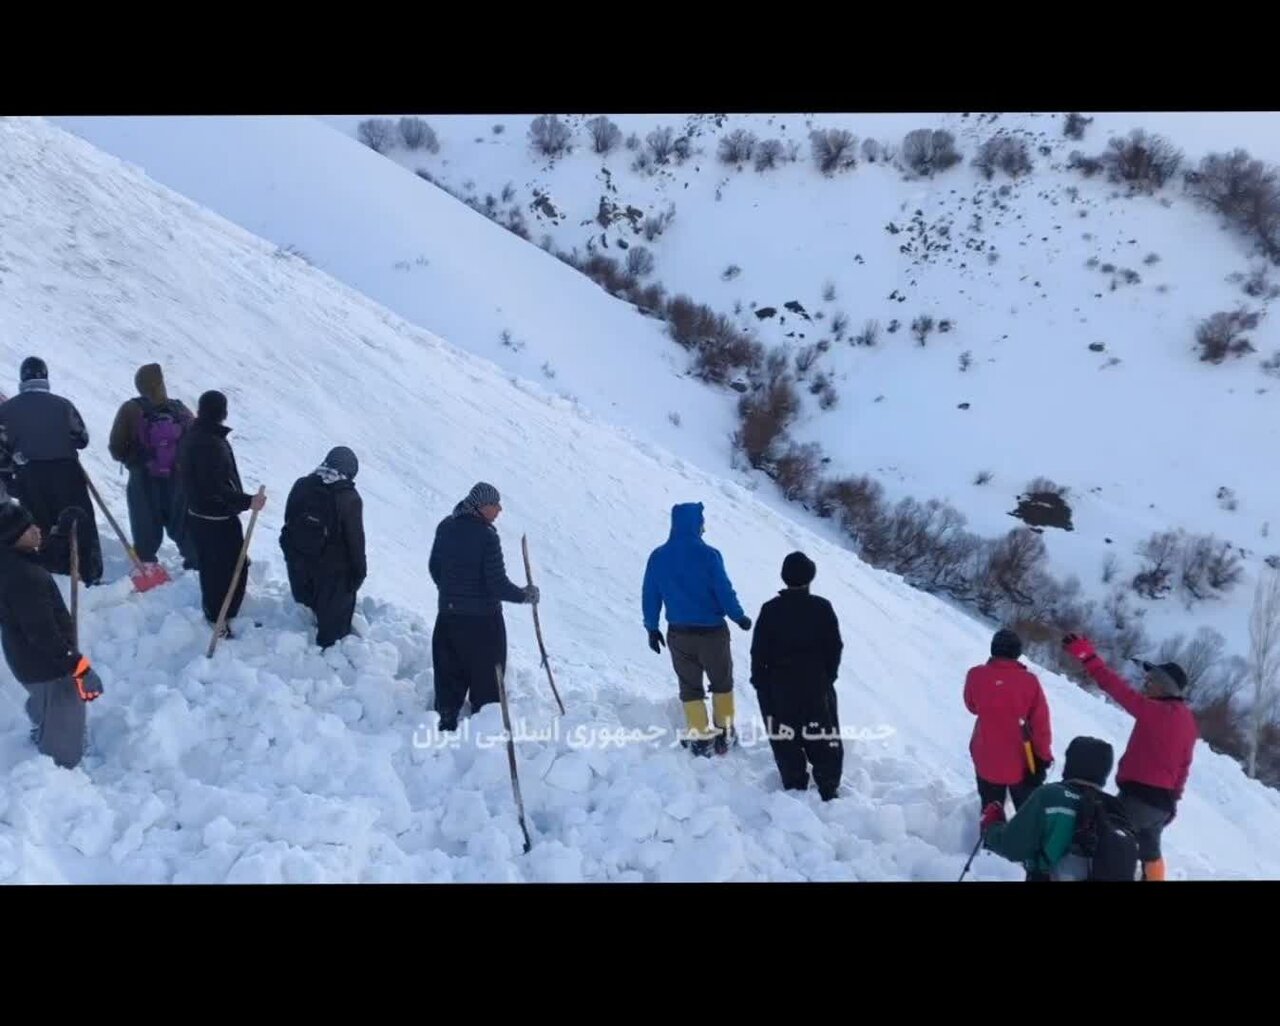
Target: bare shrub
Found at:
x=689, y=322
x=376, y=133
x=1007, y=153
x=869, y=335
x=804, y=360
x=927, y=151
x=640, y=261
x=550, y=136
x=798, y=471
x=983, y=477
x=605, y=135
x=723, y=351
x=769, y=155
x=661, y=141
x=1110, y=567
x=1160, y=553
x=1074, y=124
x=922, y=327
x=1222, y=335
x=1246, y=192
x=1087, y=166
x=764, y=416
x=1209, y=567
x=833, y=149
x=966, y=361
x=416, y=134
x=737, y=147
x=1145, y=162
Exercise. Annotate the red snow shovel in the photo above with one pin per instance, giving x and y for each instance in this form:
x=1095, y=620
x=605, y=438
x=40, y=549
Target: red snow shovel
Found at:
x=145, y=576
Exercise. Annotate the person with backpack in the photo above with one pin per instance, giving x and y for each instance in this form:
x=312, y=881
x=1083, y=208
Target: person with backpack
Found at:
x=145, y=438
x=215, y=500
x=39, y=644
x=469, y=642
x=41, y=435
x=1072, y=830
x=1012, y=741
x=323, y=543
x=1156, y=764
x=795, y=659
x=688, y=577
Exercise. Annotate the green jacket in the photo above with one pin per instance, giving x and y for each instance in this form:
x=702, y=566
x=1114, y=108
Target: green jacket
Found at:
x=1040, y=833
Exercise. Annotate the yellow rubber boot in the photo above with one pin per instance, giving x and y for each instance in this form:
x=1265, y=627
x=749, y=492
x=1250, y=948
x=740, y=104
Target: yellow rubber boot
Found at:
x=695, y=714
x=722, y=710
x=1153, y=870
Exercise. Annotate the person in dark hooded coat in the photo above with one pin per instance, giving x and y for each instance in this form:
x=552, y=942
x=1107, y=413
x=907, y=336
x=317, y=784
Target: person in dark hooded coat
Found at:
x=41, y=435
x=145, y=437
x=795, y=660
x=323, y=543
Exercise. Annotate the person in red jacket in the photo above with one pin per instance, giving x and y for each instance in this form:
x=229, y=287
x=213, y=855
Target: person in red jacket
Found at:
x=1012, y=743
x=1153, y=771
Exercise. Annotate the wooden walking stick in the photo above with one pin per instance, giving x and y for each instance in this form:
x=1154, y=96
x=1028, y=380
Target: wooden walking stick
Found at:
x=75, y=585
x=235, y=576
x=144, y=577
x=511, y=755
x=537, y=624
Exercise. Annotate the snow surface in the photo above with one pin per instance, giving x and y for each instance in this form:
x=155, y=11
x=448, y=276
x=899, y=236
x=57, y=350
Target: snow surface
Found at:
x=274, y=762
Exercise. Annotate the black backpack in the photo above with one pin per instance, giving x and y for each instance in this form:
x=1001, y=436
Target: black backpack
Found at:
x=1105, y=837
x=314, y=523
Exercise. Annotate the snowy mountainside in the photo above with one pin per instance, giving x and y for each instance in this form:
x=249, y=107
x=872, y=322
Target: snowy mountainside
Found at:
x=273, y=762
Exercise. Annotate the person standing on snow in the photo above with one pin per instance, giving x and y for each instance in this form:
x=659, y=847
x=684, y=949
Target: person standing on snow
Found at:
x=145, y=438
x=1153, y=771
x=469, y=642
x=36, y=634
x=688, y=577
x=1043, y=833
x=40, y=438
x=1012, y=741
x=323, y=543
x=215, y=500
x=795, y=659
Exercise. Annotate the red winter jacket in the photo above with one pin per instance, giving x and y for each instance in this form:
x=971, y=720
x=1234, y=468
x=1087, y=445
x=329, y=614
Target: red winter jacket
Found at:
x=1158, y=756
x=1003, y=694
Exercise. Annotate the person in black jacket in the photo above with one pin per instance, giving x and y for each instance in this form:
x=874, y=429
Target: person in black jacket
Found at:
x=215, y=500
x=323, y=543
x=795, y=659
x=38, y=642
x=469, y=643
x=41, y=435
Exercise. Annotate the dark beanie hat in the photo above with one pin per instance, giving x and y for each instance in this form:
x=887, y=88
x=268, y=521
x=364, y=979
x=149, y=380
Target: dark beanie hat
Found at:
x=213, y=407
x=14, y=521
x=33, y=369
x=1006, y=645
x=344, y=461
x=483, y=494
x=798, y=570
x=1088, y=758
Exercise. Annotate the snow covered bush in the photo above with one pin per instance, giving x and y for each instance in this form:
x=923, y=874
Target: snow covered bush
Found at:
x=833, y=149
x=416, y=134
x=1222, y=335
x=1007, y=153
x=640, y=261
x=769, y=154
x=376, y=133
x=1087, y=166
x=1074, y=124
x=550, y=136
x=1143, y=162
x=737, y=147
x=926, y=151
x=605, y=135
x=661, y=141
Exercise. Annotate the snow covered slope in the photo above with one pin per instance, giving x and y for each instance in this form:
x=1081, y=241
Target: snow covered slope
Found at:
x=272, y=762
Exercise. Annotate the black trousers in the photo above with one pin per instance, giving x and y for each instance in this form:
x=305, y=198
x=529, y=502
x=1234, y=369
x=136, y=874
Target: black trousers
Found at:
x=156, y=505
x=467, y=654
x=217, y=544
x=323, y=589
x=1148, y=823
x=796, y=753
x=46, y=489
x=1020, y=792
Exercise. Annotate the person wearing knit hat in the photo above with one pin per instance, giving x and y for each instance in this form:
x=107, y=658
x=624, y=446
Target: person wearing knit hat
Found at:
x=1156, y=764
x=323, y=543
x=469, y=642
x=39, y=643
x=1012, y=741
x=145, y=438
x=1072, y=830
x=41, y=435
x=215, y=499
x=795, y=660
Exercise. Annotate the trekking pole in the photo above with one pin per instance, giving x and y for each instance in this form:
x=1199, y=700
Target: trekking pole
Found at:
x=537, y=625
x=75, y=585
x=972, y=855
x=235, y=576
x=511, y=755
x=143, y=579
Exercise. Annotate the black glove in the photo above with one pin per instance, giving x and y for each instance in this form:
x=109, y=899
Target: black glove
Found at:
x=744, y=623
x=70, y=515
x=655, y=641
x=1041, y=772
x=88, y=683
x=532, y=595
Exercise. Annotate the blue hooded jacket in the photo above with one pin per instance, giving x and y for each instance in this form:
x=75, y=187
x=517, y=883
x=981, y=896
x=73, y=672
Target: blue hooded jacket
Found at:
x=688, y=576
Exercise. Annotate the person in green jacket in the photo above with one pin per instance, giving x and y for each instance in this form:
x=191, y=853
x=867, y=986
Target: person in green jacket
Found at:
x=1042, y=832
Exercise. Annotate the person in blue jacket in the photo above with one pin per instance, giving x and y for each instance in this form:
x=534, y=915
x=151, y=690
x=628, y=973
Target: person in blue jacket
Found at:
x=688, y=577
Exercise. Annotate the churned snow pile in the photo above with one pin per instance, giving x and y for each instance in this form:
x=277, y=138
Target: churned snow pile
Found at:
x=274, y=762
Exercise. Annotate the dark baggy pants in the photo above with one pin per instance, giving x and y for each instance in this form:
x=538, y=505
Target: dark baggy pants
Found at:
x=694, y=652
x=1019, y=793
x=787, y=724
x=57, y=717
x=467, y=653
x=1148, y=823
x=217, y=545
x=157, y=506
x=324, y=591
x=46, y=489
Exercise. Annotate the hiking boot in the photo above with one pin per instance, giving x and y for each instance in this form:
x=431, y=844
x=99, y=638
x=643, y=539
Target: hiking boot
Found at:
x=725, y=740
x=701, y=747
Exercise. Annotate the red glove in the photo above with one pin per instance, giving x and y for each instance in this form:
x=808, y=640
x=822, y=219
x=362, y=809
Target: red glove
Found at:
x=991, y=815
x=1081, y=648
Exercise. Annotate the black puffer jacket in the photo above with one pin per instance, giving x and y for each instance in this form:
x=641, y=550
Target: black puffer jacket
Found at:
x=796, y=651
x=208, y=469
x=343, y=553
x=466, y=564
x=35, y=627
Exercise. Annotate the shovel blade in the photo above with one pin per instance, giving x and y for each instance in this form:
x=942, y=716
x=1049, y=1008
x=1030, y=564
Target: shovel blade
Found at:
x=148, y=576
